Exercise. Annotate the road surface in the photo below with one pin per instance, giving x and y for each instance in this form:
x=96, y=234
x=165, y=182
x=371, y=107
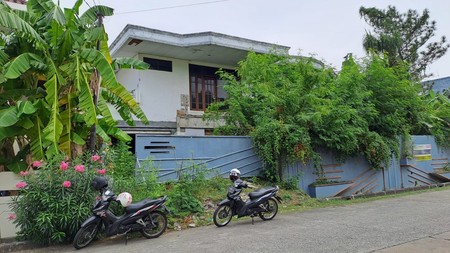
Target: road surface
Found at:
x=415, y=223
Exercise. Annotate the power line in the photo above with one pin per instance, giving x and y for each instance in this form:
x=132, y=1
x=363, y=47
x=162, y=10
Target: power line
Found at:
x=172, y=7
x=87, y=4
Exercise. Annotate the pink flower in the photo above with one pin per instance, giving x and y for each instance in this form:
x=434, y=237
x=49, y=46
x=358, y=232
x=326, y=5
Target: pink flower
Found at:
x=101, y=172
x=21, y=184
x=12, y=216
x=95, y=158
x=79, y=168
x=64, y=165
x=24, y=173
x=67, y=184
x=37, y=164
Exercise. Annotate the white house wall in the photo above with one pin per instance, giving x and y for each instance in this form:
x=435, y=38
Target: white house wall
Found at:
x=159, y=92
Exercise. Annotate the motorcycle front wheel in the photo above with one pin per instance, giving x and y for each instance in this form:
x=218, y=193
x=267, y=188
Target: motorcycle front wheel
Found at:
x=222, y=216
x=85, y=235
x=156, y=223
x=271, y=207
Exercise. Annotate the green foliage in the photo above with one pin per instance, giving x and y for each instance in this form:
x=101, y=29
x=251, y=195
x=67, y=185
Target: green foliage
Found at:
x=143, y=184
x=292, y=108
x=291, y=183
x=49, y=209
x=437, y=120
x=184, y=198
x=402, y=35
x=52, y=61
x=120, y=160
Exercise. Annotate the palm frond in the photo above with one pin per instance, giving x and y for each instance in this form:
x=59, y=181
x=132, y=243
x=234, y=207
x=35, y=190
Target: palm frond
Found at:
x=37, y=143
x=104, y=111
x=52, y=132
x=110, y=83
x=84, y=94
x=20, y=65
x=16, y=24
x=91, y=15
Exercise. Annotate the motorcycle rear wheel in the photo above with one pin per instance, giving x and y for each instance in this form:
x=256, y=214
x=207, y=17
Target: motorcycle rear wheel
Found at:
x=222, y=216
x=159, y=220
x=85, y=235
x=272, y=209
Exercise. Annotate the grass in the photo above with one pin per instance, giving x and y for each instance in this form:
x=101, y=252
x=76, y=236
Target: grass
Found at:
x=293, y=201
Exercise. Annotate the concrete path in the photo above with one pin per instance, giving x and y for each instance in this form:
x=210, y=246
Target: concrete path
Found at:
x=415, y=223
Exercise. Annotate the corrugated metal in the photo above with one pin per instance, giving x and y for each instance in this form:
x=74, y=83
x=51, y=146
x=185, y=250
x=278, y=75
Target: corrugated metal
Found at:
x=217, y=155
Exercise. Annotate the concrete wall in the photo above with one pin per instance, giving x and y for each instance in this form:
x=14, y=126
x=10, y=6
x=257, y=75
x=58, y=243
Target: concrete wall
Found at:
x=8, y=181
x=159, y=92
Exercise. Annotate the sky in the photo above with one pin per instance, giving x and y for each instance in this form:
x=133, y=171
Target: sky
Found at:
x=325, y=29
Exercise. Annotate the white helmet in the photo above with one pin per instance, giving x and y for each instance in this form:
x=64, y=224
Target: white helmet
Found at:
x=125, y=199
x=234, y=174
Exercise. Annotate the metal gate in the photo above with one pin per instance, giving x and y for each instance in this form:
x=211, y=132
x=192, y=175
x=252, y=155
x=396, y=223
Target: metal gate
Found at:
x=172, y=155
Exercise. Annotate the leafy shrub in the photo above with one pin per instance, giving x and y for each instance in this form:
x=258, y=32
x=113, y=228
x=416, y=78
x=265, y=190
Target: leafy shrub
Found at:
x=144, y=184
x=121, y=162
x=184, y=198
x=290, y=183
x=55, y=199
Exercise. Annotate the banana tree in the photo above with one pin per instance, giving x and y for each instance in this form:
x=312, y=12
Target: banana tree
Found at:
x=52, y=60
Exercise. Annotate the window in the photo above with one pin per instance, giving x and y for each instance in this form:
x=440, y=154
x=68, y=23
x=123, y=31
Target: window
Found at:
x=161, y=65
x=205, y=87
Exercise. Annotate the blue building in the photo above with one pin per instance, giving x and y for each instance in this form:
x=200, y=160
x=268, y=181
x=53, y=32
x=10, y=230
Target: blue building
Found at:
x=439, y=85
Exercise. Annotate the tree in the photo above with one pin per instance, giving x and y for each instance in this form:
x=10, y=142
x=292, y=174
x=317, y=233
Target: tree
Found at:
x=49, y=61
x=404, y=37
x=293, y=109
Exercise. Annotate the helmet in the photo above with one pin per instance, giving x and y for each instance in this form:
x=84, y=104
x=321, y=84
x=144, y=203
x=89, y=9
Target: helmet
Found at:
x=125, y=199
x=99, y=183
x=234, y=174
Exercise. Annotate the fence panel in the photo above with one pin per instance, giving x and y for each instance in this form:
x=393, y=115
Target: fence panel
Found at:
x=217, y=154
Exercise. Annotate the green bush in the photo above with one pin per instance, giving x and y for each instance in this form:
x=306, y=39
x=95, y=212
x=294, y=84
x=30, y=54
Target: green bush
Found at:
x=143, y=184
x=184, y=198
x=290, y=183
x=55, y=198
x=120, y=161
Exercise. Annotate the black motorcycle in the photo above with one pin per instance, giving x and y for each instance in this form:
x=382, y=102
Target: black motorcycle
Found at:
x=147, y=216
x=262, y=203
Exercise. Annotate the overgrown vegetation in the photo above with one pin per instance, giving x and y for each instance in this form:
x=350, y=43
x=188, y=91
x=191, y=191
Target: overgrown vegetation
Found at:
x=292, y=108
x=55, y=198
x=53, y=62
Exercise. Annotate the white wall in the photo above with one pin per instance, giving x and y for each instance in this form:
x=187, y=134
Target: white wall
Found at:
x=158, y=92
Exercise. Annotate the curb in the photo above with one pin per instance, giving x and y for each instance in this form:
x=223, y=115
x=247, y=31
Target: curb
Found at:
x=11, y=245
x=390, y=192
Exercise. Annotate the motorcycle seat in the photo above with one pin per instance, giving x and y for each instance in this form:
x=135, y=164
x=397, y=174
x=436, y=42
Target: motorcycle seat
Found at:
x=261, y=192
x=141, y=204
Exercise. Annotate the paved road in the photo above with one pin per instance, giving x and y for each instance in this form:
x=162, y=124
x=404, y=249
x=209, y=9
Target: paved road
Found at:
x=416, y=223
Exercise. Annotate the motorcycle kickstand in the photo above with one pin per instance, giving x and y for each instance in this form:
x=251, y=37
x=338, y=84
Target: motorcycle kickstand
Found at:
x=126, y=238
x=253, y=221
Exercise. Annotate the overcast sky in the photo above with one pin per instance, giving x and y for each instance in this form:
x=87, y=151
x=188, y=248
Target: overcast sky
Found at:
x=327, y=29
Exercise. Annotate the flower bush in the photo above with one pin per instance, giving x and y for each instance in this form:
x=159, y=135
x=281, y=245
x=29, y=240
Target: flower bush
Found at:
x=56, y=199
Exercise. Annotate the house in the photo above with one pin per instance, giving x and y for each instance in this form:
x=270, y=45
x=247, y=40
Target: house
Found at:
x=438, y=85
x=181, y=81
x=17, y=4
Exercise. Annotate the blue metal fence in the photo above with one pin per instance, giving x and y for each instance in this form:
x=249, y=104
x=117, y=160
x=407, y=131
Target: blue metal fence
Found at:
x=216, y=154
x=172, y=155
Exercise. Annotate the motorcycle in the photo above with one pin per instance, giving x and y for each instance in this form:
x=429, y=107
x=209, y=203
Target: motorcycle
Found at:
x=147, y=216
x=261, y=202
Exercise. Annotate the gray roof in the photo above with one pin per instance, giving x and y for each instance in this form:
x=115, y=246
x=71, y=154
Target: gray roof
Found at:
x=204, y=46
